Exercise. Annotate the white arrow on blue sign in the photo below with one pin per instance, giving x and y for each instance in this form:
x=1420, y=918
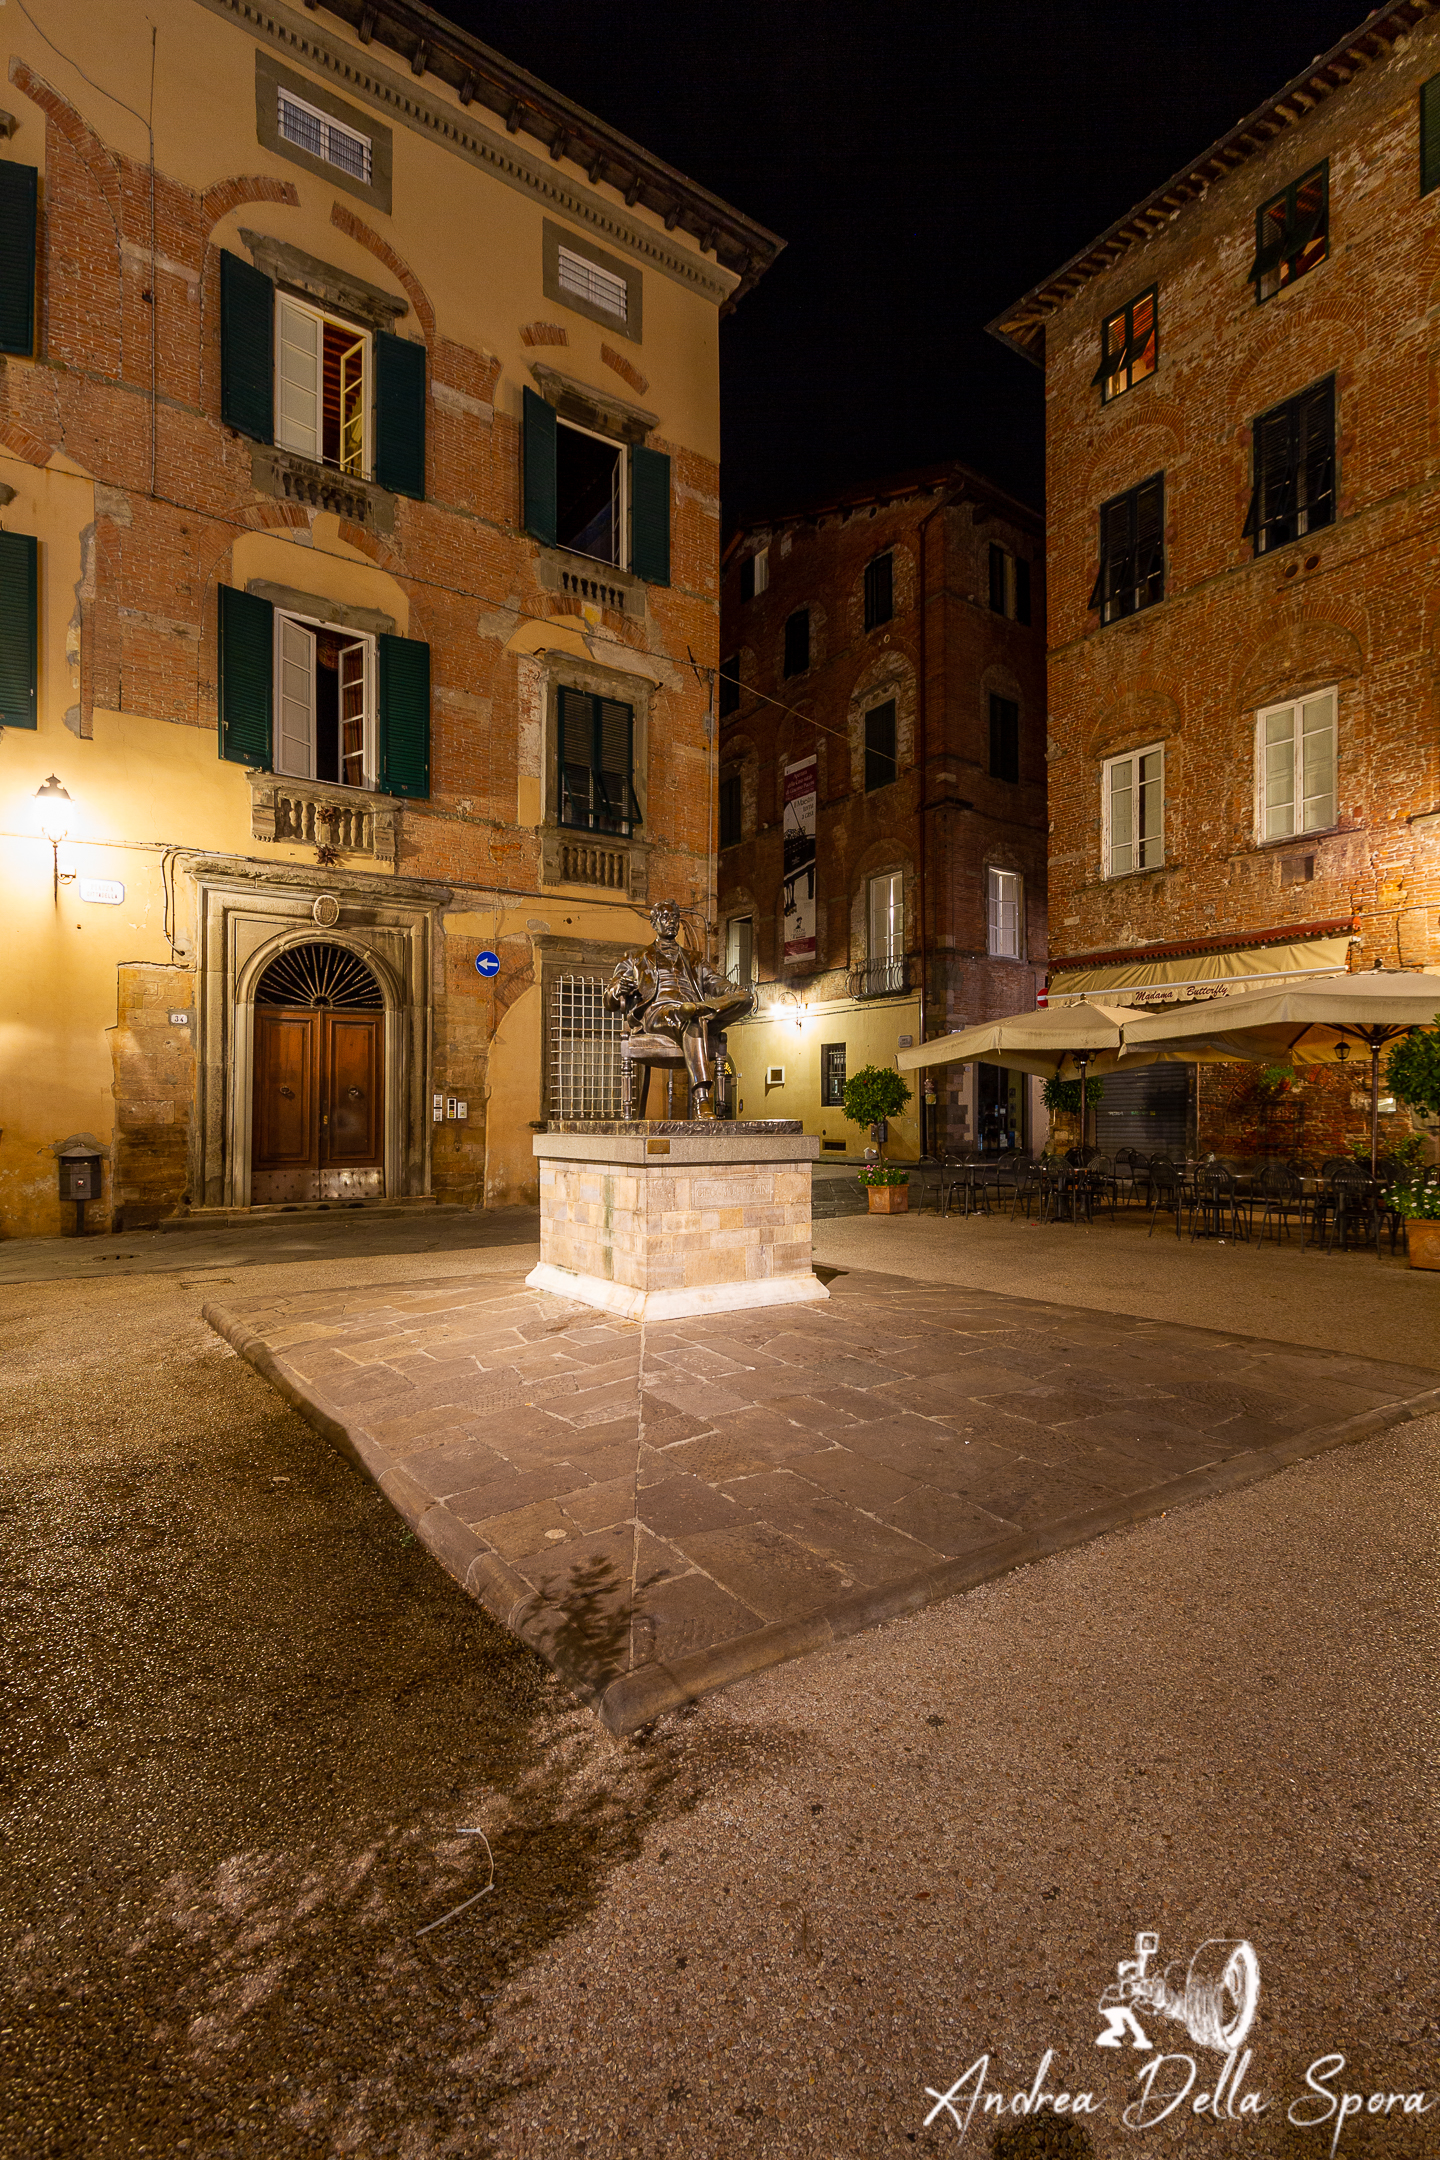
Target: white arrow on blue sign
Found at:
x=487, y=963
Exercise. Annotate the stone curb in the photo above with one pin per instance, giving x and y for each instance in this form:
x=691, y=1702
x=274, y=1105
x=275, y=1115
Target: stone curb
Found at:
x=634, y=1699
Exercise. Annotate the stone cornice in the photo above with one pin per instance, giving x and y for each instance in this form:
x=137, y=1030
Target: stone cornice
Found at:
x=479, y=76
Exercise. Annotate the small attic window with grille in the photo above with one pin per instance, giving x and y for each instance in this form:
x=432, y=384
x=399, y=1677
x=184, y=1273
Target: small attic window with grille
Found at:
x=587, y=281
x=1129, y=342
x=323, y=137
x=1292, y=232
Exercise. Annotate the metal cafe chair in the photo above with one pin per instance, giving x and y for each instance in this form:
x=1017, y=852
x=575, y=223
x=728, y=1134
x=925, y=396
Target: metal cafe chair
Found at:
x=1282, y=1194
x=1129, y=1171
x=1167, y=1193
x=1352, y=1203
x=1216, y=1204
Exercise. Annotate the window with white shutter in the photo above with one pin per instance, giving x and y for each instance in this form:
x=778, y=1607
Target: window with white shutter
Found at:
x=1133, y=811
x=1004, y=941
x=1295, y=781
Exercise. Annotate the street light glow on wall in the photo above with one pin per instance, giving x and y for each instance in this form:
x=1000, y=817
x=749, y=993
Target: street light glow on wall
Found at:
x=53, y=808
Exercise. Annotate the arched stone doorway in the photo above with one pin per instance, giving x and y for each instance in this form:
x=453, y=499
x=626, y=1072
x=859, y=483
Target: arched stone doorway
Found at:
x=318, y=1122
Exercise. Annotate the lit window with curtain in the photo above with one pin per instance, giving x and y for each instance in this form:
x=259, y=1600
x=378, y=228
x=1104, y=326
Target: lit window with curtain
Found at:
x=886, y=925
x=1295, y=767
x=322, y=395
x=1134, y=811
x=1129, y=345
x=740, y=949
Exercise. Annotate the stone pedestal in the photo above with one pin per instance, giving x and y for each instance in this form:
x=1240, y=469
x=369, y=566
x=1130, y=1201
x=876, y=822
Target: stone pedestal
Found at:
x=657, y=1220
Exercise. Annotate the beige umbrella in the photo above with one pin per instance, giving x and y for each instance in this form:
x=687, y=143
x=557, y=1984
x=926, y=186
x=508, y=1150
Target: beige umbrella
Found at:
x=1313, y=1023
x=1060, y=1042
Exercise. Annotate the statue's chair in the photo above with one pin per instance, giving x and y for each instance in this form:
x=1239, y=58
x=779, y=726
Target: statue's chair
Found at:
x=641, y=1052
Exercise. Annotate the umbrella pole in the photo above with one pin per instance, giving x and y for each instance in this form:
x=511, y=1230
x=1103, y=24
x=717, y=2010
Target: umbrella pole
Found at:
x=1374, y=1105
x=1084, y=1061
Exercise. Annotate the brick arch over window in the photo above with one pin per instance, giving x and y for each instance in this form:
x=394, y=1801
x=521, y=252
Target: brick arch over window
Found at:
x=1120, y=460
x=889, y=676
x=1142, y=714
x=1305, y=655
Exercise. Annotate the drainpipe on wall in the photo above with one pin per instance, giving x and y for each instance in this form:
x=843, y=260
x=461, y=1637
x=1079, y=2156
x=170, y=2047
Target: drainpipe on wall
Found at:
x=922, y=753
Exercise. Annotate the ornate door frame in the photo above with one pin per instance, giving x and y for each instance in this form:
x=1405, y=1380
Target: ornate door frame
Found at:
x=244, y=917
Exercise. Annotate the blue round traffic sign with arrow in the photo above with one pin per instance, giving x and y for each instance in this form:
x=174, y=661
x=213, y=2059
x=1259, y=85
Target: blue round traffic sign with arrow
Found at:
x=487, y=963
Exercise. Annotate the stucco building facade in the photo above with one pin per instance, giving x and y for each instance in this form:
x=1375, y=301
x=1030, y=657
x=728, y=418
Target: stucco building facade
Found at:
x=882, y=796
x=359, y=508
x=1243, y=457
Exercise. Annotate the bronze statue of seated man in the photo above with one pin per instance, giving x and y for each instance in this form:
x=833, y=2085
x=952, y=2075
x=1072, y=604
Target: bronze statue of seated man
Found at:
x=676, y=1009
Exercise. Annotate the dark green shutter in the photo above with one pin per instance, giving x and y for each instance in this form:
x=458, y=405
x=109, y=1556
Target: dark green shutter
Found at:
x=1430, y=135
x=247, y=677
x=540, y=513
x=19, y=618
x=1022, y=590
x=18, y=195
x=405, y=717
x=247, y=349
x=400, y=415
x=650, y=515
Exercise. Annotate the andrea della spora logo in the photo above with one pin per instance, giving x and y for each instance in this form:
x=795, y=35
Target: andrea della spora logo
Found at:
x=1141, y=2075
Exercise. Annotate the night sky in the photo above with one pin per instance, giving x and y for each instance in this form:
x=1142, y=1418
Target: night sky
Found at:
x=926, y=164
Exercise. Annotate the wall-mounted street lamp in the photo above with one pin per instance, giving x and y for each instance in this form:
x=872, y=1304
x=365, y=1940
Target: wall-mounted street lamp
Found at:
x=53, y=808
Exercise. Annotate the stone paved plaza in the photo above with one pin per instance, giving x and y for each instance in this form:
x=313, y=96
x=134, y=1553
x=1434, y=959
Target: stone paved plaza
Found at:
x=663, y=1509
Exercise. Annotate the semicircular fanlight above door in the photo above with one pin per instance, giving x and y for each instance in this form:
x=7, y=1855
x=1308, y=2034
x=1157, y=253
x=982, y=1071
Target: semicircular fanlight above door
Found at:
x=320, y=976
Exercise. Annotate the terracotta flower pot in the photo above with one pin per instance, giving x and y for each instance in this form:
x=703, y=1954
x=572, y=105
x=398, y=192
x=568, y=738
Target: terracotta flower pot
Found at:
x=1423, y=1239
x=895, y=1200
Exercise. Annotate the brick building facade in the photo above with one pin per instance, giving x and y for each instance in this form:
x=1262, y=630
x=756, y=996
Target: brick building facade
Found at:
x=359, y=435
x=1243, y=437
x=894, y=637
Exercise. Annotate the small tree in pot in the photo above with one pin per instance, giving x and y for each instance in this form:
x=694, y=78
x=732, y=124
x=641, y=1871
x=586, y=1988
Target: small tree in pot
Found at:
x=873, y=1095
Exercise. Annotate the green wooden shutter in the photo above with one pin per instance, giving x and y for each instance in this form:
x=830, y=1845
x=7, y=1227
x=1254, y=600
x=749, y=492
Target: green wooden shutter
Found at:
x=1430, y=135
x=247, y=349
x=615, y=726
x=650, y=515
x=19, y=185
x=1022, y=590
x=405, y=717
x=247, y=678
x=19, y=624
x=577, y=756
x=400, y=415
x=540, y=510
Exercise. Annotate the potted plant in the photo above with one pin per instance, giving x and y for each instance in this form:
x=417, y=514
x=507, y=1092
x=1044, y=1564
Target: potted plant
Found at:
x=1419, y=1203
x=888, y=1187
x=872, y=1096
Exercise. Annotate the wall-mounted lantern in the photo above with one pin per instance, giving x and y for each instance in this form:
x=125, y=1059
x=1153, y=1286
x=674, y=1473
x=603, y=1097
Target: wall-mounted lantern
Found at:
x=52, y=808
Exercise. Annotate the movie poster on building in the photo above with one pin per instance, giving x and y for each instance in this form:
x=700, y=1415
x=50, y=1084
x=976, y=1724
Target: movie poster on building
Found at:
x=800, y=862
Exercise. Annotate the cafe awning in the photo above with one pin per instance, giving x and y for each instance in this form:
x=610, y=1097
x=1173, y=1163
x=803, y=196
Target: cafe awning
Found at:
x=1125, y=982
x=1033, y=1042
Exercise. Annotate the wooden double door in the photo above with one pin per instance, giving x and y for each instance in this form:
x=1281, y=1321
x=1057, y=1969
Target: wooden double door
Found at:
x=319, y=1131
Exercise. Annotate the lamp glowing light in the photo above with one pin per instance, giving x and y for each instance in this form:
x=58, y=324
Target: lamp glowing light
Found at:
x=53, y=807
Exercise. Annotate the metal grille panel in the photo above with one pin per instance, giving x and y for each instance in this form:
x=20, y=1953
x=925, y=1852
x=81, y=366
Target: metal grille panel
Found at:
x=584, y=1050
x=319, y=975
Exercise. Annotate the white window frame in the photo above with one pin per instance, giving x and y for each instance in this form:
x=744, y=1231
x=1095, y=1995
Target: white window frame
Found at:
x=284, y=302
x=732, y=956
x=622, y=513
x=328, y=130
x=586, y=280
x=362, y=638
x=1151, y=848
x=893, y=940
x=1329, y=696
x=1004, y=889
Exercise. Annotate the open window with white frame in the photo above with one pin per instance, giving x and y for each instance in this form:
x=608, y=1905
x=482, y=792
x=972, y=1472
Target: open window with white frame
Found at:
x=1133, y=811
x=1295, y=777
x=325, y=702
x=740, y=950
x=323, y=374
x=1006, y=926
